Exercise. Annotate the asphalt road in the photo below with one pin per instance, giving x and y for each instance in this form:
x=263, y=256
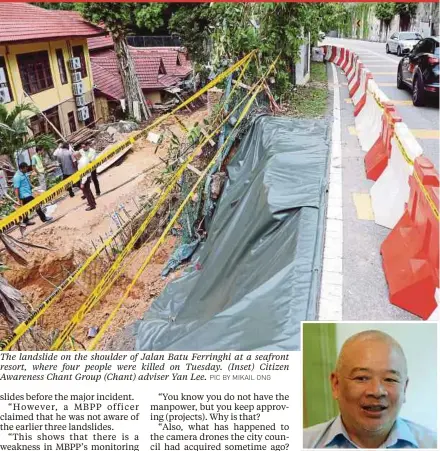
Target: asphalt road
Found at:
x=423, y=121
x=365, y=294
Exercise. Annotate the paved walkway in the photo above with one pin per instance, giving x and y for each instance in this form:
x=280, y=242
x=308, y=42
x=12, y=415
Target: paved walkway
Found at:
x=359, y=271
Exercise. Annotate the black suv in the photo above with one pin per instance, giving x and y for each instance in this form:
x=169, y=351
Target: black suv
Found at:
x=419, y=70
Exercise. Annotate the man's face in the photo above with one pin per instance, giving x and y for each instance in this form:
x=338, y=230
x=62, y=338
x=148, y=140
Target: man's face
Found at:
x=370, y=386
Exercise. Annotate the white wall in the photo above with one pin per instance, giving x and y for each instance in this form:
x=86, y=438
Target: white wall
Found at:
x=419, y=342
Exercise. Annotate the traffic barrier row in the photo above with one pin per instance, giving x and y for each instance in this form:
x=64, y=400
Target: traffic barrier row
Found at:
x=410, y=253
x=405, y=195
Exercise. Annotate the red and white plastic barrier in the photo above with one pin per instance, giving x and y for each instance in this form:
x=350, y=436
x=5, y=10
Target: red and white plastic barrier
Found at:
x=405, y=196
x=352, y=68
x=334, y=55
x=342, y=56
x=390, y=193
x=369, y=120
x=353, y=85
x=347, y=62
x=377, y=157
x=411, y=251
x=435, y=316
x=360, y=95
x=328, y=52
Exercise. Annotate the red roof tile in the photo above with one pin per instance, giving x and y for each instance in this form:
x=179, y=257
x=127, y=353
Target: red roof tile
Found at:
x=100, y=42
x=107, y=79
x=106, y=76
x=174, y=60
x=25, y=22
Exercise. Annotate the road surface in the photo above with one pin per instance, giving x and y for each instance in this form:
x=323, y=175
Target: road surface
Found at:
x=423, y=121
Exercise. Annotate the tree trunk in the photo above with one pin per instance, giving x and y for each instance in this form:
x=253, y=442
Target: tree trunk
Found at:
x=11, y=305
x=405, y=21
x=133, y=92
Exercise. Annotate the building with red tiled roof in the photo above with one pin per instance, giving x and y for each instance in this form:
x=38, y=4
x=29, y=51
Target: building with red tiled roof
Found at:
x=22, y=22
x=157, y=69
x=44, y=57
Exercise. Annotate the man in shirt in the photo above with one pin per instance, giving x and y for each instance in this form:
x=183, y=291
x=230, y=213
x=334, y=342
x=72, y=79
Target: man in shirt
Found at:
x=38, y=167
x=90, y=153
x=23, y=191
x=65, y=158
x=83, y=161
x=369, y=383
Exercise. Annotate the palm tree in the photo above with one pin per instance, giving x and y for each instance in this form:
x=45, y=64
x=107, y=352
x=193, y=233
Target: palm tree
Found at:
x=15, y=131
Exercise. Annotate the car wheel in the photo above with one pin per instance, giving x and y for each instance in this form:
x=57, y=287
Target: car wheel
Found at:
x=399, y=51
x=400, y=84
x=418, y=94
x=387, y=48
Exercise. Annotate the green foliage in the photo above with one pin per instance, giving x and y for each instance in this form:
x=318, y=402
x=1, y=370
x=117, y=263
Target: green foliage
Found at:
x=405, y=9
x=56, y=5
x=120, y=18
x=217, y=34
x=385, y=12
x=149, y=15
x=7, y=204
x=310, y=101
x=194, y=134
x=14, y=131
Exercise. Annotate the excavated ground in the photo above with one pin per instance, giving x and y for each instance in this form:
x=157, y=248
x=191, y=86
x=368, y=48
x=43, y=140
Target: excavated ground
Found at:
x=73, y=236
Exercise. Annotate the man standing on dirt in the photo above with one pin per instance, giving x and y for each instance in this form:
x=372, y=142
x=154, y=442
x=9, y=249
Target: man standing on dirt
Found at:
x=65, y=158
x=83, y=161
x=23, y=191
x=90, y=153
x=38, y=167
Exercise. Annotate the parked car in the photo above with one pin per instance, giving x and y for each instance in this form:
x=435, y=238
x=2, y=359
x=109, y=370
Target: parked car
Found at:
x=419, y=70
x=402, y=42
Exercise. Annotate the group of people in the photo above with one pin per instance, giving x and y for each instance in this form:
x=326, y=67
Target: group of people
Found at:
x=70, y=161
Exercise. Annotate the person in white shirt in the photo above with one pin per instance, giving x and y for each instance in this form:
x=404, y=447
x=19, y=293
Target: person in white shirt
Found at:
x=90, y=153
x=67, y=162
x=83, y=161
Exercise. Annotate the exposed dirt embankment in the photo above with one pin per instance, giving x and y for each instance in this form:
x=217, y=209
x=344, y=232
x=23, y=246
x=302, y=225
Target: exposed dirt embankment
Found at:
x=76, y=233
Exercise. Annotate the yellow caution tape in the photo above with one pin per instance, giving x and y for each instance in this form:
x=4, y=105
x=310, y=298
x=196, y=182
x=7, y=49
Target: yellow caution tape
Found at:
x=403, y=151
x=181, y=124
x=18, y=216
x=107, y=281
x=416, y=176
x=8, y=342
x=427, y=196
x=176, y=216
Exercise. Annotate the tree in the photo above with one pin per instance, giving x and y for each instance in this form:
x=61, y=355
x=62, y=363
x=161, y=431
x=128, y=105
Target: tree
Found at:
x=385, y=12
x=217, y=34
x=118, y=19
x=55, y=5
x=406, y=11
x=15, y=132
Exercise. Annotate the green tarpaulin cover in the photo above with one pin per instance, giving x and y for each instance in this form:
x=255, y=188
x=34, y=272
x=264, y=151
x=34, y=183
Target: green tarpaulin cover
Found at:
x=258, y=273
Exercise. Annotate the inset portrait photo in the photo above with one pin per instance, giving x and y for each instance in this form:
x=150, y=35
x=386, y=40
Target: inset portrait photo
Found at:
x=369, y=385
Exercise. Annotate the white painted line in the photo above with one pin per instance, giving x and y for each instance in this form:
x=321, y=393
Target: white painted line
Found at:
x=330, y=302
x=381, y=56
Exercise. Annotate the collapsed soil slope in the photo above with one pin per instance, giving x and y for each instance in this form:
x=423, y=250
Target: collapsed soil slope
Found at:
x=76, y=232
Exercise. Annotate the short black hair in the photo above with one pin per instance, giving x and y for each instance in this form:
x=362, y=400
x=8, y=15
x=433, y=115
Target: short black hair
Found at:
x=38, y=149
x=65, y=145
x=23, y=165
